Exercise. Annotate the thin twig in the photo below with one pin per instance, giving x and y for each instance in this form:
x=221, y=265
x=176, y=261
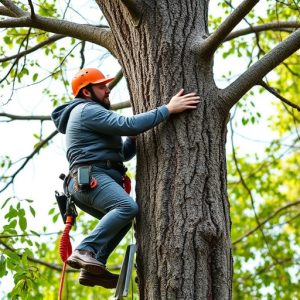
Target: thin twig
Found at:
x=51, y=266
x=31, y=9
x=82, y=54
x=28, y=158
x=276, y=94
x=273, y=215
x=38, y=261
x=264, y=27
x=52, y=39
x=244, y=184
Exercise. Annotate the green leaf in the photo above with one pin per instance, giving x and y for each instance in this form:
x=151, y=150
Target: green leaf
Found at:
x=5, y=202
x=32, y=210
x=7, y=40
x=55, y=217
x=35, y=77
x=29, y=200
x=12, y=213
x=22, y=223
x=35, y=233
x=13, y=257
x=245, y=121
x=51, y=211
x=3, y=270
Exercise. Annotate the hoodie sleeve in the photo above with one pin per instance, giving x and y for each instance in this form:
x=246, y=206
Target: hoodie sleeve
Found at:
x=104, y=121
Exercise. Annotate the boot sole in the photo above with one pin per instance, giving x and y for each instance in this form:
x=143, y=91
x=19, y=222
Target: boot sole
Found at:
x=89, y=267
x=88, y=282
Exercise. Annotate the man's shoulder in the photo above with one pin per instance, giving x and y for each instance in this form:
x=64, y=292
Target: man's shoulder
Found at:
x=94, y=110
x=94, y=107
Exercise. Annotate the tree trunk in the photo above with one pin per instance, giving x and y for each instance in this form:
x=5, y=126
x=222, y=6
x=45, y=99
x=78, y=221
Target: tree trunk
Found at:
x=183, y=229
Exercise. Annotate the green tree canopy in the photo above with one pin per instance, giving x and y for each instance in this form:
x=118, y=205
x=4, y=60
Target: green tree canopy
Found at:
x=263, y=183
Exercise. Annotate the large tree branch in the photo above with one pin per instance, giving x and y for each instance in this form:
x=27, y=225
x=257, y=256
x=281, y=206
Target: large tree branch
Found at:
x=6, y=12
x=210, y=45
x=121, y=105
x=12, y=117
x=52, y=39
x=257, y=71
x=263, y=27
x=14, y=9
x=94, y=34
x=116, y=80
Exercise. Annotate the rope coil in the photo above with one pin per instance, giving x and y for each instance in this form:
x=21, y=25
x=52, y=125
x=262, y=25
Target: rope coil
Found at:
x=65, y=250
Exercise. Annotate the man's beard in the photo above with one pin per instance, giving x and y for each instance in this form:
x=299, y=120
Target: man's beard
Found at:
x=105, y=104
x=101, y=102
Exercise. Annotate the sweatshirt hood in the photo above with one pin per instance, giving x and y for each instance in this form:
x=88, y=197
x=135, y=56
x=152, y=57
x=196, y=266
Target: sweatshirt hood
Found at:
x=61, y=114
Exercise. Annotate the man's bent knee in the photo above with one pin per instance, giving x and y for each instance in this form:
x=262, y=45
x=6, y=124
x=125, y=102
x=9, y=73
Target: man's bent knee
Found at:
x=132, y=209
x=135, y=209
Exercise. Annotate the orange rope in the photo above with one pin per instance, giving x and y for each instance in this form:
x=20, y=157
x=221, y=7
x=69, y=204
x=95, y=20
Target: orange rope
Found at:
x=61, y=284
x=65, y=250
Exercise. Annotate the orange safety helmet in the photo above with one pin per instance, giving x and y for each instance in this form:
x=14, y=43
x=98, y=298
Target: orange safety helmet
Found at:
x=87, y=76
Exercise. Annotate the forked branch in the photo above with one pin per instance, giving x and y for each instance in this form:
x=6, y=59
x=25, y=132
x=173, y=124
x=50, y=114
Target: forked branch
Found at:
x=90, y=33
x=210, y=45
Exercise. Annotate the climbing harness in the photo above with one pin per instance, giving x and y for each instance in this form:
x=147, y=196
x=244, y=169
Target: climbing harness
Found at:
x=83, y=181
x=69, y=213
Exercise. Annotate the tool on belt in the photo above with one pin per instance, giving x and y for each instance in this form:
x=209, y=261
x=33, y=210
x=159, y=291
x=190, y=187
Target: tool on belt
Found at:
x=83, y=181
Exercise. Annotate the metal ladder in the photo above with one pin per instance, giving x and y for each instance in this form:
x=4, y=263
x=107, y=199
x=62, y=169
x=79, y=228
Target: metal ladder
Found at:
x=126, y=271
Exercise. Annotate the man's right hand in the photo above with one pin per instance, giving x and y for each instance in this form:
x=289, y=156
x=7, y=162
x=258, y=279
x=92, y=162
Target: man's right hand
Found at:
x=180, y=102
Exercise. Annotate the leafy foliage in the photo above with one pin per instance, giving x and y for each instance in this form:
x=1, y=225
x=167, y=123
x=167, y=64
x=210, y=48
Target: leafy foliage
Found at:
x=263, y=187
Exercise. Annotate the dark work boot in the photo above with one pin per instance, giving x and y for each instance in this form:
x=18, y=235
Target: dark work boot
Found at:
x=82, y=259
x=107, y=280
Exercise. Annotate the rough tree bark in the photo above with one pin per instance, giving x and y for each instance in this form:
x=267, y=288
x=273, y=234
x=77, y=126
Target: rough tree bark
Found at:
x=183, y=230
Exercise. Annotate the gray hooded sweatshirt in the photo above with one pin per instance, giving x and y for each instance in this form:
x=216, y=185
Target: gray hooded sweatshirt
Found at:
x=93, y=133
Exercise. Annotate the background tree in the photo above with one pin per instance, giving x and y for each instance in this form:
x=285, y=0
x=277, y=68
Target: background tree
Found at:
x=181, y=187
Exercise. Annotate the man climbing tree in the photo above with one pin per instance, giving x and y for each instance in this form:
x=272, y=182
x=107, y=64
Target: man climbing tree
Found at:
x=183, y=229
x=96, y=153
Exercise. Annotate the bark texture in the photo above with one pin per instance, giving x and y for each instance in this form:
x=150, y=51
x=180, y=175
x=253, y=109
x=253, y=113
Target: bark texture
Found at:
x=183, y=230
